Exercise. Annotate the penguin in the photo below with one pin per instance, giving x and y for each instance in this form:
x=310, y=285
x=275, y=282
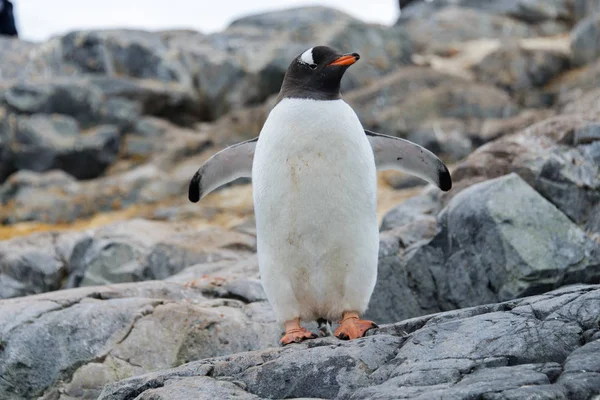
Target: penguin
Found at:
x=313, y=169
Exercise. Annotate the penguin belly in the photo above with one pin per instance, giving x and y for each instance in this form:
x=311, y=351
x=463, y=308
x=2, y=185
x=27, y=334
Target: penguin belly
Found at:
x=314, y=188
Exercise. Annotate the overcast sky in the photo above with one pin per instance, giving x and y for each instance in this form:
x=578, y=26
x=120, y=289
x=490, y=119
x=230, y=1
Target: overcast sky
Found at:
x=39, y=19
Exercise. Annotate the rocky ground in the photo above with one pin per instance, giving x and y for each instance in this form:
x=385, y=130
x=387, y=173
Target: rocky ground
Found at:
x=114, y=286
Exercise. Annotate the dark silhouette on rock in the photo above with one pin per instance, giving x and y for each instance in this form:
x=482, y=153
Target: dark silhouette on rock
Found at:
x=7, y=19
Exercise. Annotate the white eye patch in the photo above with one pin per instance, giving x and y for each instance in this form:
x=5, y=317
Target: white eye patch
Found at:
x=307, y=57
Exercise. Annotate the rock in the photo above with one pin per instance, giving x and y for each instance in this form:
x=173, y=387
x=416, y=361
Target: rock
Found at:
x=402, y=181
x=574, y=85
x=134, y=250
x=14, y=56
x=36, y=263
x=469, y=102
x=394, y=89
x=492, y=128
x=546, y=156
x=494, y=351
x=408, y=211
x=205, y=76
x=26, y=197
x=61, y=96
x=417, y=98
x=445, y=137
x=496, y=240
x=139, y=250
x=514, y=68
x=526, y=10
x=584, y=8
x=443, y=29
x=584, y=40
x=587, y=104
x=73, y=342
x=46, y=142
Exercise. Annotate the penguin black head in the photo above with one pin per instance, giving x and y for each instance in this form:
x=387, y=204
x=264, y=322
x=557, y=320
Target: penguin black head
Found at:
x=316, y=74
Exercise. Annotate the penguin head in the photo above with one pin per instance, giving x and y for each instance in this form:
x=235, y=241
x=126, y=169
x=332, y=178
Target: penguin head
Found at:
x=317, y=73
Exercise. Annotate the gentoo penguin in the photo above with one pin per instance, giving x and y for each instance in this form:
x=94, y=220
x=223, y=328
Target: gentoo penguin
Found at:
x=313, y=170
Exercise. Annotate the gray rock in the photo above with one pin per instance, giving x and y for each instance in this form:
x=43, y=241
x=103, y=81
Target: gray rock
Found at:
x=497, y=240
x=198, y=76
x=584, y=40
x=444, y=137
x=14, y=56
x=526, y=10
x=71, y=343
x=139, y=250
x=45, y=142
x=468, y=102
x=410, y=210
x=441, y=30
x=514, y=68
x=417, y=98
x=576, y=92
x=545, y=155
x=61, y=96
x=26, y=196
x=492, y=128
x=36, y=263
x=129, y=251
x=497, y=351
x=585, y=8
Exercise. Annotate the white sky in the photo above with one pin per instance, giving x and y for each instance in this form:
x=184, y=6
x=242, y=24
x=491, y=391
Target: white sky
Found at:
x=39, y=19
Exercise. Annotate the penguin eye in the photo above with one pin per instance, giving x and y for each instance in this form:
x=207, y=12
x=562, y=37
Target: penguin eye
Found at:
x=312, y=66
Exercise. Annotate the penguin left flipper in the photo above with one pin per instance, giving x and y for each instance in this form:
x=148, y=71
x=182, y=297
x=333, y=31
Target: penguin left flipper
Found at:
x=402, y=155
x=227, y=165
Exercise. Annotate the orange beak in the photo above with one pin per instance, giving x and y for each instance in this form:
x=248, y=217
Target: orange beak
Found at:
x=346, y=59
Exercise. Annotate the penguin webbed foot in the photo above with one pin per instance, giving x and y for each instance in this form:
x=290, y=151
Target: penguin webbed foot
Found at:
x=294, y=333
x=351, y=327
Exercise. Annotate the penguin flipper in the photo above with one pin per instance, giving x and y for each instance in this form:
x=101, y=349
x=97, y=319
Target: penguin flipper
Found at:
x=227, y=165
x=402, y=155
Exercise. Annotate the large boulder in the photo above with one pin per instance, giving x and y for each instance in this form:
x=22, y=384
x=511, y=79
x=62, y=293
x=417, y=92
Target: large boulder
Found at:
x=540, y=347
x=69, y=344
x=496, y=240
x=584, y=40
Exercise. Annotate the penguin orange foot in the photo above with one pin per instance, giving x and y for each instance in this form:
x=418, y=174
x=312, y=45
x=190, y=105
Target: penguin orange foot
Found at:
x=294, y=333
x=351, y=327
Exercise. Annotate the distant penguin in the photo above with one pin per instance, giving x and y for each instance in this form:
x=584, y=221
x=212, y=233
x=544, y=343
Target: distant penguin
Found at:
x=314, y=181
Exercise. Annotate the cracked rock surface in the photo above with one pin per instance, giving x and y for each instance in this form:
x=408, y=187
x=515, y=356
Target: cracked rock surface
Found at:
x=71, y=343
x=542, y=347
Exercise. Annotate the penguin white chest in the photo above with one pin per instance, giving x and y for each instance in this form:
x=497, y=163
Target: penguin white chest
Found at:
x=314, y=185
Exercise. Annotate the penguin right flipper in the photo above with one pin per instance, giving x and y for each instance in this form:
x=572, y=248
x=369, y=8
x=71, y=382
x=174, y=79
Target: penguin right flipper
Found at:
x=227, y=165
x=402, y=155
